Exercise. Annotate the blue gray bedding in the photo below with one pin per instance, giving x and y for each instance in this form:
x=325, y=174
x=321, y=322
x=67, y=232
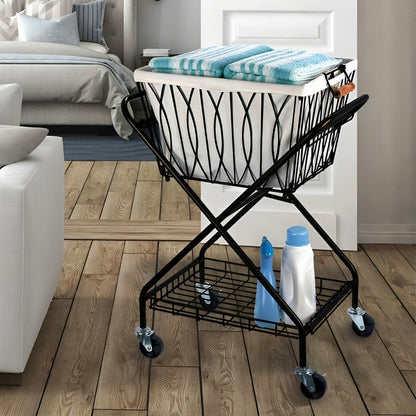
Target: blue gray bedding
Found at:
x=68, y=74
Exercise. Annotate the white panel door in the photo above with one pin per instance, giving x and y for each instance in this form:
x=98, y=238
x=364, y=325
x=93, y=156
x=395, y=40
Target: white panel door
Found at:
x=328, y=26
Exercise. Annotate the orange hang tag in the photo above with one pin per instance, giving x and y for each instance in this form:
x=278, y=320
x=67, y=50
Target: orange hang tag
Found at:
x=344, y=90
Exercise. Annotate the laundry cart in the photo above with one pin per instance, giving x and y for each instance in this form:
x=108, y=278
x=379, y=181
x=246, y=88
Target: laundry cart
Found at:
x=268, y=139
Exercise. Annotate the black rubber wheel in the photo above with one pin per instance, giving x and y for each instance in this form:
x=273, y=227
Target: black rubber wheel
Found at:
x=320, y=387
x=157, y=347
x=215, y=300
x=369, y=326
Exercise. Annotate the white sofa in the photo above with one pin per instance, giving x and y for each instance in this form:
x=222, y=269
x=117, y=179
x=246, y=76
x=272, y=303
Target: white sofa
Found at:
x=31, y=244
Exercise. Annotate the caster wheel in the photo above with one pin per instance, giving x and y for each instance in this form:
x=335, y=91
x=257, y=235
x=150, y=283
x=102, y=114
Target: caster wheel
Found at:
x=157, y=347
x=369, y=326
x=215, y=300
x=320, y=386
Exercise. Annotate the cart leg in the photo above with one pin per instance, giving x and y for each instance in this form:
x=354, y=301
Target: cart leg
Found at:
x=150, y=344
x=312, y=384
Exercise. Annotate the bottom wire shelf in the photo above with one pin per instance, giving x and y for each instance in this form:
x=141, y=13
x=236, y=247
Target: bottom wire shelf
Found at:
x=232, y=289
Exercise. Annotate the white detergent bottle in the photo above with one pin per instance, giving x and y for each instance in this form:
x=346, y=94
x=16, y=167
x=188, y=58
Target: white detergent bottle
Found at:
x=297, y=275
x=266, y=308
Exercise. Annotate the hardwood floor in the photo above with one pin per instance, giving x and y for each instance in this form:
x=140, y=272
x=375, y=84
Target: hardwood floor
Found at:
x=122, y=224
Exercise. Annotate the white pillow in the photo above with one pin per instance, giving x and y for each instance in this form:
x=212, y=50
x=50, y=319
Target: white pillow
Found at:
x=16, y=142
x=60, y=30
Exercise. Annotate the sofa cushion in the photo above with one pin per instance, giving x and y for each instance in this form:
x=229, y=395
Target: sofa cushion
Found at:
x=16, y=142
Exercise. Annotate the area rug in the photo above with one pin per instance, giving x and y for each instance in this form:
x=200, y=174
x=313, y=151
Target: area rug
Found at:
x=89, y=143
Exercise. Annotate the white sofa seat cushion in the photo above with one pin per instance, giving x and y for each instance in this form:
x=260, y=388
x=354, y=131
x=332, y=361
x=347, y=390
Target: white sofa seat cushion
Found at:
x=31, y=248
x=10, y=104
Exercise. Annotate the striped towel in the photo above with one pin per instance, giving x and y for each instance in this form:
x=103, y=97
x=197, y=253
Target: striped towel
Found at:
x=283, y=66
x=209, y=62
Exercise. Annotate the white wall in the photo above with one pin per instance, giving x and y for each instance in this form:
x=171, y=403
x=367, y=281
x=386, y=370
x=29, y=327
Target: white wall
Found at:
x=386, y=125
x=171, y=24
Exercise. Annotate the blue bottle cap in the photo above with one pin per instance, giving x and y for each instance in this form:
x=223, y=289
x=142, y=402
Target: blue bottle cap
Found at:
x=297, y=236
x=266, y=248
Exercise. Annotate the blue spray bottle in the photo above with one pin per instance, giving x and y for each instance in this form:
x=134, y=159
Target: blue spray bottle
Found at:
x=266, y=307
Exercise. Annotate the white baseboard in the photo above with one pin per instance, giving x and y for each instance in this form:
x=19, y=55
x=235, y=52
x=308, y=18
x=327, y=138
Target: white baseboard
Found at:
x=387, y=233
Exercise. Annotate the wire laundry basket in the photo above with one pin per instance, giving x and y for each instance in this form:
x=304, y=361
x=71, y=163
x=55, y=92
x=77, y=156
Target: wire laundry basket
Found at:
x=230, y=136
x=269, y=139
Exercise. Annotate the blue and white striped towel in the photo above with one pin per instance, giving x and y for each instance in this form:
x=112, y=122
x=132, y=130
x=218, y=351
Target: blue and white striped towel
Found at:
x=283, y=66
x=208, y=62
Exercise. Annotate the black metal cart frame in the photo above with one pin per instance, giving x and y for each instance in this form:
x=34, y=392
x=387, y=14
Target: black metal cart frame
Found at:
x=222, y=291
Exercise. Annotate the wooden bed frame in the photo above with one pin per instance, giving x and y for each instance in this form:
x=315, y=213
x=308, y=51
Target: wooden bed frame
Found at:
x=120, y=33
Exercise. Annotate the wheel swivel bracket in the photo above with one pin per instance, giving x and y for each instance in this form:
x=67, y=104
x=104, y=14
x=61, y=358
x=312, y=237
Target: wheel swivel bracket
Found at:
x=144, y=337
x=305, y=375
x=356, y=315
x=203, y=290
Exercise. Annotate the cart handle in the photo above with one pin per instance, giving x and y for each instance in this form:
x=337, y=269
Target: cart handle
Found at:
x=340, y=91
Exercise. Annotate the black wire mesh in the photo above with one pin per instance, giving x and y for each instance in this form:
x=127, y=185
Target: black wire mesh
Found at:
x=234, y=287
x=234, y=137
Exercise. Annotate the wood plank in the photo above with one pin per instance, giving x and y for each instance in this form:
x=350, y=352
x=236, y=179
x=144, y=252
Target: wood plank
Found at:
x=146, y=202
x=25, y=399
x=75, y=255
x=174, y=391
x=225, y=375
x=104, y=257
x=396, y=270
x=73, y=380
x=175, y=202
x=408, y=251
x=124, y=375
x=140, y=247
x=379, y=381
x=118, y=412
x=130, y=230
x=97, y=184
x=393, y=323
x=118, y=206
x=75, y=177
x=276, y=387
x=86, y=212
x=178, y=333
x=125, y=176
x=410, y=377
x=119, y=199
x=149, y=171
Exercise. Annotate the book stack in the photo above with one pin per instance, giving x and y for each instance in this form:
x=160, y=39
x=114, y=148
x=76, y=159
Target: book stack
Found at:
x=156, y=52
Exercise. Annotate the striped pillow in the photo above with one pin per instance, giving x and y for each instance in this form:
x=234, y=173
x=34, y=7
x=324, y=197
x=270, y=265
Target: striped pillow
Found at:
x=48, y=9
x=90, y=21
x=8, y=28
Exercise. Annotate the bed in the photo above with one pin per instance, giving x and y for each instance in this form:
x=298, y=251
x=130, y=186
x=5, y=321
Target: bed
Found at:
x=65, y=82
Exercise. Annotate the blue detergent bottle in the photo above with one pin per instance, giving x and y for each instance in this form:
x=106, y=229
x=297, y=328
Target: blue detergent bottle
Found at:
x=266, y=307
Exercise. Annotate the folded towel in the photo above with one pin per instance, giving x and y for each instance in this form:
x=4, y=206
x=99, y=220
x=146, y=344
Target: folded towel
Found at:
x=208, y=62
x=283, y=66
